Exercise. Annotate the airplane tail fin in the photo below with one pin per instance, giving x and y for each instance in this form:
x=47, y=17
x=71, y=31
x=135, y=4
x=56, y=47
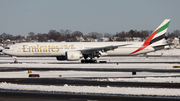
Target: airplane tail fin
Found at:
x=156, y=38
x=159, y=33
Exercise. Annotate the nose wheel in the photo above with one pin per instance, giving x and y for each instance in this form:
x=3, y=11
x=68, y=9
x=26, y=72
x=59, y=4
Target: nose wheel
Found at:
x=15, y=60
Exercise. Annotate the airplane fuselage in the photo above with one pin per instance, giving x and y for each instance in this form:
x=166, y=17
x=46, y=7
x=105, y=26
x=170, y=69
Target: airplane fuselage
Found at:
x=53, y=49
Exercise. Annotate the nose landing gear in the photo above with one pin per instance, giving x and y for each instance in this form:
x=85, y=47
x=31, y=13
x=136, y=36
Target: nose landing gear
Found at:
x=15, y=59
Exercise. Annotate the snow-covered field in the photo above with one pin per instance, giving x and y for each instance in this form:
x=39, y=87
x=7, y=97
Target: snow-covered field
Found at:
x=170, y=52
x=127, y=66
x=40, y=62
x=94, y=89
x=46, y=60
x=55, y=74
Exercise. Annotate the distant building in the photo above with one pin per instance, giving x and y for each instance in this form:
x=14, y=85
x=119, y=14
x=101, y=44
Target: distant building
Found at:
x=91, y=40
x=104, y=39
x=114, y=38
x=176, y=41
x=128, y=39
x=137, y=39
x=80, y=39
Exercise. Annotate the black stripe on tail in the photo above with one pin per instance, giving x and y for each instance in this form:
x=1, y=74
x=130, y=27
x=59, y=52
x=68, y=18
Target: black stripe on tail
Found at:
x=157, y=38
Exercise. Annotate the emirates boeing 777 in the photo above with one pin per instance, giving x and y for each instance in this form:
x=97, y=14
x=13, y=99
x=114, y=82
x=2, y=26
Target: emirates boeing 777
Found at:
x=73, y=51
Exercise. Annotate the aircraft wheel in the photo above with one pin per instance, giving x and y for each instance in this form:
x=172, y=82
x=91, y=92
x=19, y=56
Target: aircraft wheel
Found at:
x=82, y=61
x=88, y=61
x=94, y=61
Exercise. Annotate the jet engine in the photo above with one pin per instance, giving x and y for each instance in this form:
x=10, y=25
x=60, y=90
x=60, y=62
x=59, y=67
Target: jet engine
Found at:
x=70, y=56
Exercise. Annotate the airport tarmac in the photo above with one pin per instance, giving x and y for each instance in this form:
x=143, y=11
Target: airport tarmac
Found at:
x=14, y=96
x=88, y=82
x=122, y=59
x=117, y=73
x=160, y=70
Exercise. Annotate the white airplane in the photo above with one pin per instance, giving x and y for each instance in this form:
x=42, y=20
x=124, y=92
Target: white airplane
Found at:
x=73, y=51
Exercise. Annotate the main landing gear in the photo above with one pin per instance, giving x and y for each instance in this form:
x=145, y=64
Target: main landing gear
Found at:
x=90, y=58
x=88, y=61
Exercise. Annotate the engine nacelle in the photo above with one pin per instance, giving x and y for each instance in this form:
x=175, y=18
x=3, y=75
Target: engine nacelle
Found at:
x=70, y=56
x=73, y=55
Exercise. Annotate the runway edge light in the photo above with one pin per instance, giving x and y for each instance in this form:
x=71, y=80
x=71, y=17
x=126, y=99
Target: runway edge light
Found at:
x=29, y=71
x=176, y=66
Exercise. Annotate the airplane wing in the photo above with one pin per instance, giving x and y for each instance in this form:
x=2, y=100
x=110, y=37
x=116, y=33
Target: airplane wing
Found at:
x=102, y=49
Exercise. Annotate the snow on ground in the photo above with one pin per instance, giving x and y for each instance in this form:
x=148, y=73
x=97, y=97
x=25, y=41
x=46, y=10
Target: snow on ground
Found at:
x=55, y=74
x=165, y=66
x=40, y=62
x=94, y=89
x=171, y=52
x=145, y=79
x=51, y=74
x=143, y=75
x=44, y=62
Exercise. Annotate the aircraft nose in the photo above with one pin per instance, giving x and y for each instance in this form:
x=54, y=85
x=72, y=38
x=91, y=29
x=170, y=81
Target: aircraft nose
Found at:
x=4, y=51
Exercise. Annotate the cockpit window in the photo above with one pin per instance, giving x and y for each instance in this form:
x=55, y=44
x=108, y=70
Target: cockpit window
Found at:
x=7, y=47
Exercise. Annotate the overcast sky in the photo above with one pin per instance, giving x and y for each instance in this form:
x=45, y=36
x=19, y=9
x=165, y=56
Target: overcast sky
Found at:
x=19, y=17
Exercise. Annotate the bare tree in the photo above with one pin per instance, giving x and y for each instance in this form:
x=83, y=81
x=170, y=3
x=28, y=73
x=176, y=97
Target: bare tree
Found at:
x=56, y=36
x=107, y=35
x=76, y=34
x=40, y=37
x=31, y=35
x=120, y=36
x=176, y=33
x=95, y=35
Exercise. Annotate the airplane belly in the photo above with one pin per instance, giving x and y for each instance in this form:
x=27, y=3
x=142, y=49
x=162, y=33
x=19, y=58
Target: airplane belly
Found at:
x=121, y=51
x=128, y=51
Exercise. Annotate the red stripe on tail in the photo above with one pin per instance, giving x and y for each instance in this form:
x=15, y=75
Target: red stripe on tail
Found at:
x=147, y=42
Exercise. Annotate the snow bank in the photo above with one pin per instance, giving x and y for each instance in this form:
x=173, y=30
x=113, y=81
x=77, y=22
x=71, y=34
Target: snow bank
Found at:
x=147, y=79
x=158, y=66
x=170, y=52
x=93, y=89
